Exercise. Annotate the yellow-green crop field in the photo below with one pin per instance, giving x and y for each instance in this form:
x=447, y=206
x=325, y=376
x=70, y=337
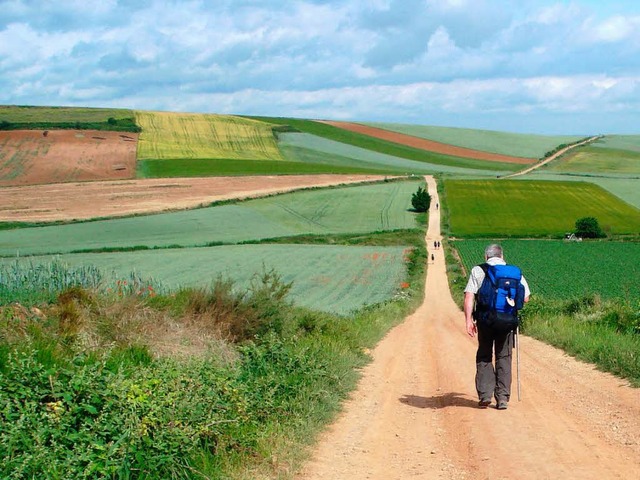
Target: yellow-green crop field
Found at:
x=168, y=136
x=525, y=208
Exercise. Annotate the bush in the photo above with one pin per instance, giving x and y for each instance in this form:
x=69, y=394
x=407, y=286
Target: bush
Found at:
x=421, y=200
x=588, y=227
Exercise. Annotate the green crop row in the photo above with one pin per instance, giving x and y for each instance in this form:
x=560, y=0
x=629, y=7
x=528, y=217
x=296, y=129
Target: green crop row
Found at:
x=557, y=269
x=524, y=208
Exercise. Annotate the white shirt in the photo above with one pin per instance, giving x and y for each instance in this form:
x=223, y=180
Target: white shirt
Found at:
x=477, y=276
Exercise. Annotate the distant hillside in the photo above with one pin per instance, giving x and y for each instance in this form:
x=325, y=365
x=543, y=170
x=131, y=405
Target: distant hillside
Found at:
x=199, y=145
x=504, y=143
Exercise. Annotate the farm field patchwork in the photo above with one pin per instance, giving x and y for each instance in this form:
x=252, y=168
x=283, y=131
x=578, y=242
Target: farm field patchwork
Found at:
x=310, y=148
x=525, y=208
x=74, y=201
x=335, y=279
x=505, y=143
x=557, y=269
x=429, y=145
x=367, y=142
x=170, y=136
x=382, y=206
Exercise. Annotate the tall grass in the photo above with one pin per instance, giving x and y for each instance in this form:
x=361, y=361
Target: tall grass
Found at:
x=605, y=333
x=30, y=283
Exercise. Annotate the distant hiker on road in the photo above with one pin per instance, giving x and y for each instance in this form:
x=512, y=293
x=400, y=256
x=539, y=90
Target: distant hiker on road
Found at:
x=493, y=295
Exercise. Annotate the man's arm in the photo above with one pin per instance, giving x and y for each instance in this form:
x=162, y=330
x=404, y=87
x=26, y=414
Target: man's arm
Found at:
x=469, y=299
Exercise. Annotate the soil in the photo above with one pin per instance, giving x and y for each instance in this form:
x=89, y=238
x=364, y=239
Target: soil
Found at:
x=415, y=412
x=429, y=145
x=68, y=201
x=29, y=157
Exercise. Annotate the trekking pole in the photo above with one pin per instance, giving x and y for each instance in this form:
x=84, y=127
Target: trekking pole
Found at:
x=517, y=338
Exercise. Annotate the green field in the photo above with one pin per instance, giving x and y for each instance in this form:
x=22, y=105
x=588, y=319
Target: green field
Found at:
x=504, y=143
x=335, y=279
x=557, y=269
x=41, y=118
x=336, y=134
x=598, y=160
x=624, y=186
x=167, y=136
x=313, y=149
x=620, y=142
x=199, y=167
x=525, y=208
x=357, y=209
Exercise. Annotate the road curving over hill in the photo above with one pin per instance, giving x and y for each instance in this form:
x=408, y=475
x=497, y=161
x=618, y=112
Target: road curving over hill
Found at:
x=415, y=415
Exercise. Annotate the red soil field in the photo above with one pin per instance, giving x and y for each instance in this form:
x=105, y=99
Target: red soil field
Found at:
x=30, y=157
x=429, y=145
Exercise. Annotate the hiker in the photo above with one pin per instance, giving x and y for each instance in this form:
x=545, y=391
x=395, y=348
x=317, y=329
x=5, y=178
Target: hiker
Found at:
x=495, y=329
x=432, y=257
x=438, y=245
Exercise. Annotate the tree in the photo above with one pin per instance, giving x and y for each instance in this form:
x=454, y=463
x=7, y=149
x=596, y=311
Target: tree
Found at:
x=421, y=200
x=588, y=227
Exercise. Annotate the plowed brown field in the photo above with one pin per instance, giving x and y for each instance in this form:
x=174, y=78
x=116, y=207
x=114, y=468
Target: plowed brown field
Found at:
x=429, y=145
x=30, y=157
x=67, y=201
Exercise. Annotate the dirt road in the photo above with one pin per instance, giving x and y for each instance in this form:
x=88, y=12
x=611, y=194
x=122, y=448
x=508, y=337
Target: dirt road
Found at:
x=552, y=157
x=415, y=414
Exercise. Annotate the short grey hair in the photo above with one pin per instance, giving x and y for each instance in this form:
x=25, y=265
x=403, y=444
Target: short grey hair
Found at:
x=493, y=250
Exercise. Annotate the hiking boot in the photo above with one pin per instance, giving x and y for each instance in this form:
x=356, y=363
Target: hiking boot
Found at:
x=502, y=405
x=484, y=402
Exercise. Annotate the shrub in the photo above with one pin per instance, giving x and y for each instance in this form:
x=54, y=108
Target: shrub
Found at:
x=421, y=200
x=588, y=227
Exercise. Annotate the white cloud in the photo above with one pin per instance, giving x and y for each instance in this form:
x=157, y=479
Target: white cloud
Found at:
x=402, y=59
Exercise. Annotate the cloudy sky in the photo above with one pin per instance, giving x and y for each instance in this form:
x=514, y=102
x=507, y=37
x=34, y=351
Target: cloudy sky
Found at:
x=543, y=66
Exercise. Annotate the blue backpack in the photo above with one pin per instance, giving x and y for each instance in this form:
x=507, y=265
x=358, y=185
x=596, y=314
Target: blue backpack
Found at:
x=500, y=297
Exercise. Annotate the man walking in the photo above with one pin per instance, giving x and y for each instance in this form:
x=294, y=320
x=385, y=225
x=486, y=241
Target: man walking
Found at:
x=490, y=381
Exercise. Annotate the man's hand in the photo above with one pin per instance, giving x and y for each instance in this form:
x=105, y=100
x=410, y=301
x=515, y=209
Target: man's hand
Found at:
x=472, y=329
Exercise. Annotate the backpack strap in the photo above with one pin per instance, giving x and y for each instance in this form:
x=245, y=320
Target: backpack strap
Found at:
x=485, y=269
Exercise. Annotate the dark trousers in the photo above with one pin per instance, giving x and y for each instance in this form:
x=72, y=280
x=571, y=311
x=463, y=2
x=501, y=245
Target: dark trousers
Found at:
x=492, y=381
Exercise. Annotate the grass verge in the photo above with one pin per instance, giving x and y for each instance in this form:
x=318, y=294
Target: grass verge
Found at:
x=215, y=383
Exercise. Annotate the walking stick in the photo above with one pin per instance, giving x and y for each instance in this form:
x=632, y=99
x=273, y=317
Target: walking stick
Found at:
x=517, y=339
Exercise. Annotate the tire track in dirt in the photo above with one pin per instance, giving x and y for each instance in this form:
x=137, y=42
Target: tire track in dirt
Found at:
x=414, y=413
